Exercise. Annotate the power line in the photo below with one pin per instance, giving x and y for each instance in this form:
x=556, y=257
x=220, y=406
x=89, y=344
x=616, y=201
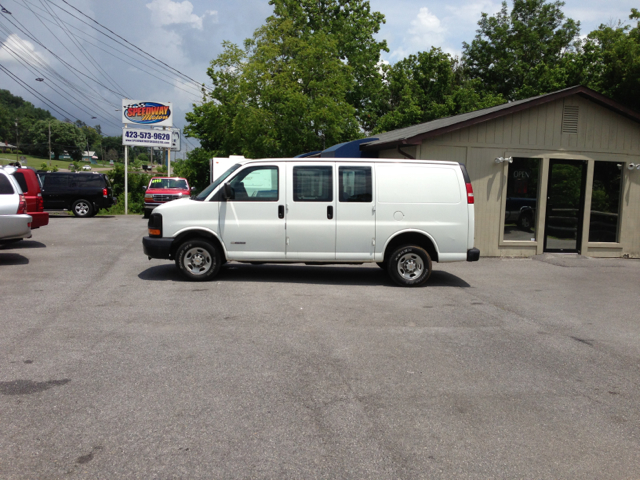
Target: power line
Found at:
x=123, y=39
x=24, y=84
x=82, y=49
x=27, y=63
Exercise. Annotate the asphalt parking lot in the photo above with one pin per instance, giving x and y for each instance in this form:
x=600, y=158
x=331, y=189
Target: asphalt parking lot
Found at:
x=112, y=366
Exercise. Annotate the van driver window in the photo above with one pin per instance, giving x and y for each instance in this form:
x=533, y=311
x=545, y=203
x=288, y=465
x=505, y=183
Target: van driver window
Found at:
x=312, y=184
x=258, y=184
x=355, y=184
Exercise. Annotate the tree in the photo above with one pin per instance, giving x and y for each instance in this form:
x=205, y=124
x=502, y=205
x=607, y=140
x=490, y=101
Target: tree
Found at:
x=427, y=86
x=611, y=60
x=301, y=83
x=523, y=53
x=195, y=168
x=64, y=137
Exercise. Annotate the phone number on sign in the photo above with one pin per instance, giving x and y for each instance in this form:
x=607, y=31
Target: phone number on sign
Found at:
x=149, y=136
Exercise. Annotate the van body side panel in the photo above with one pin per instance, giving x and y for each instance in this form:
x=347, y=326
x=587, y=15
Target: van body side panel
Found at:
x=250, y=227
x=356, y=212
x=184, y=214
x=472, y=227
x=427, y=198
x=311, y=234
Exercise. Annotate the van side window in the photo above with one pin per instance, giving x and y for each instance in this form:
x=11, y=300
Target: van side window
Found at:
x=355, y=184
x=258, y=184
x=312, y=184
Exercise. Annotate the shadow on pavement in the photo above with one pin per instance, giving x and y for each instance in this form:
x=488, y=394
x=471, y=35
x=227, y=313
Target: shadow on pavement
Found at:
x=62, y=215
x=321, y=275
x=23, y=244
x=13, y=259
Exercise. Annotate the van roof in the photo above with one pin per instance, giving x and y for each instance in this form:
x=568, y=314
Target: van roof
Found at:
x=347, y=160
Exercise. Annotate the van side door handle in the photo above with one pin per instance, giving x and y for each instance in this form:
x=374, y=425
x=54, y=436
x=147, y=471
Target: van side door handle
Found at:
x=280, y=211
x=330, y=212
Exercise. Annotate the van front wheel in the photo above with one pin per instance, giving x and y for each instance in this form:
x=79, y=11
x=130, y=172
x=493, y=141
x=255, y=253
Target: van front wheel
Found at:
x=198, y=260
x=409, y=266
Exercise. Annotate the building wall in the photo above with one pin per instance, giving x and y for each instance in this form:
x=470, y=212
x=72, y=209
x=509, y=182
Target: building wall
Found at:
x=602, y=135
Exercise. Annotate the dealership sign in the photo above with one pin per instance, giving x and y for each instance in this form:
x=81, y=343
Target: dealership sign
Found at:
x=147, y=138
x=147, y=113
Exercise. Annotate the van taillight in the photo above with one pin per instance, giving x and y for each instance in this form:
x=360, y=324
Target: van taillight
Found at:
x=104, y=192
x=39, y=203
x=22, y=206
x=469, y=194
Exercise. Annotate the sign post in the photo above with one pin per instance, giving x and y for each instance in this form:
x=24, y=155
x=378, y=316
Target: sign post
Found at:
x=145, y=113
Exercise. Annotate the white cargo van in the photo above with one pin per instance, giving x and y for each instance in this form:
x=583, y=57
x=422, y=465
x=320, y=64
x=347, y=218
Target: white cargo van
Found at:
x=400, y=214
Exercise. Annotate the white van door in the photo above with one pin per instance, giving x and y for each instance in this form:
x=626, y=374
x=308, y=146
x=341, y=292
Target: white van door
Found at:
x=356, y=214
x=252, y=224
x=311, y=224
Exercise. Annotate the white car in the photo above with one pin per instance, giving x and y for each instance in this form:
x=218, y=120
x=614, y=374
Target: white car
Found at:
x=86, y=167
x=400, y=214
x=15, y=224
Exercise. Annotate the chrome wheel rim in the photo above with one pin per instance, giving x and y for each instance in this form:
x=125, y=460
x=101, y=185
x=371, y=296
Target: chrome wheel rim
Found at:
x=82, y=208
x=410, y=266
x=197, y=261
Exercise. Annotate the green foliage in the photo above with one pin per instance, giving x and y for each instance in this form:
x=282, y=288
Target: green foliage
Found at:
x=136, y=193
x=64, y=137
x=525, y=52
x=12, y=107
x=44, y=166
x=427, y=86
x=143, y=158
x=195, y=168
x=300, y=84
x=611, y=61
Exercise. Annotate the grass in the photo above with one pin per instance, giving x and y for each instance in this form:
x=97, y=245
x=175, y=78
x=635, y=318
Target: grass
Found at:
x=36, y=162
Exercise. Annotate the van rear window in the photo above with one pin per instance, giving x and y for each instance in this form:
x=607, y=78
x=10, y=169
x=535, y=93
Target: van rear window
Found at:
x=418, y=184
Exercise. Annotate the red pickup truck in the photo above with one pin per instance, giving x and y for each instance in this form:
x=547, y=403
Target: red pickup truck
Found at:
x=164, y=189
x=30, y=185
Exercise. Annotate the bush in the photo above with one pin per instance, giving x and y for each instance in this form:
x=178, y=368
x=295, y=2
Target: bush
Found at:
x=136, y=194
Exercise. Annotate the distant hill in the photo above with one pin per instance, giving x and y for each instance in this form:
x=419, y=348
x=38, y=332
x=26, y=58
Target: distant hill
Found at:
x=12, y=107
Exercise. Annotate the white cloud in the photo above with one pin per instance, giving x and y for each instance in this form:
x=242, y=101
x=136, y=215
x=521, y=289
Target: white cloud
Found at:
x=425, y=31
x=167, y=12
x=22, y=48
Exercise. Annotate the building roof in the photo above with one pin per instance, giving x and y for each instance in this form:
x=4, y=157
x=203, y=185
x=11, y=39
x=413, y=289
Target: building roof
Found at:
x=416, y=134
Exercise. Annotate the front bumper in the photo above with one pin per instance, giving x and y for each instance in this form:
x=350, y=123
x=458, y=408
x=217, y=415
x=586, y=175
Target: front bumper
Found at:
x=155, y=247
x=473, y=254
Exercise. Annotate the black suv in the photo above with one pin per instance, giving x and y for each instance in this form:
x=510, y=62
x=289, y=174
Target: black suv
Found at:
x=82, y=193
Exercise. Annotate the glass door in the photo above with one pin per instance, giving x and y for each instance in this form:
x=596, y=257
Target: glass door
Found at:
x=565, y=206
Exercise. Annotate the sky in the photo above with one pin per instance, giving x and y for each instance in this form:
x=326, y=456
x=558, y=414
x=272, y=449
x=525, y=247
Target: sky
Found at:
x=186, y=35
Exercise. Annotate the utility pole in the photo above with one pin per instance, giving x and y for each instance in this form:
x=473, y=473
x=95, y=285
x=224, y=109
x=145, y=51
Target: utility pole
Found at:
x=17, y=143
x=49, y=143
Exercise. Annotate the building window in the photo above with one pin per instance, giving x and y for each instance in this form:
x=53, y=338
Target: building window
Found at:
x=605, y=202
x=522, y=200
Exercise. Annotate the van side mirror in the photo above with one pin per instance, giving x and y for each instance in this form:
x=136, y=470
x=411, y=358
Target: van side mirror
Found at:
x=227, y=192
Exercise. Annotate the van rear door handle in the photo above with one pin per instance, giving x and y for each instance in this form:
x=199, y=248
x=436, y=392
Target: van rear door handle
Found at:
x=330, y=212
x=280, y=211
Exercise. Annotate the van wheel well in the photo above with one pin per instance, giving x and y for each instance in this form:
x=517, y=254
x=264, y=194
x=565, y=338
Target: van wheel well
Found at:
x=411, y=238
x=197, y=234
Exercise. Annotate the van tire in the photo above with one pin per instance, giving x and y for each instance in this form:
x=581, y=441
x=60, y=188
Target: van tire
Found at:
x=409, y=266
x=82, y=208
x=198, y=260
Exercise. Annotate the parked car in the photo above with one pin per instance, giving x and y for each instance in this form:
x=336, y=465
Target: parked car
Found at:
x=162, y=190
x=82, y=193
x=400, y=214
x=522, y=212
x=15, y=223
x=86, y=167
x=30, y=185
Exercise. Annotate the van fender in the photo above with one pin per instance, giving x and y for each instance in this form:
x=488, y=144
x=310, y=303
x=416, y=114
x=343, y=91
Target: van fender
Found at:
x=205, y=233
x=380, y=255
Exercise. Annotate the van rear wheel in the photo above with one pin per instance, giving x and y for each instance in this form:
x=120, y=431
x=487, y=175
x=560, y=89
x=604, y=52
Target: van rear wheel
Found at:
x=198, y=260
x=409, y=266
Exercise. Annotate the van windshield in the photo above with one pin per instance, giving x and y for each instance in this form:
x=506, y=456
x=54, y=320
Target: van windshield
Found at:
x=205, y=193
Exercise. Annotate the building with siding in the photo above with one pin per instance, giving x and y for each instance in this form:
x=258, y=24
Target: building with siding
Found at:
x=554, y=173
